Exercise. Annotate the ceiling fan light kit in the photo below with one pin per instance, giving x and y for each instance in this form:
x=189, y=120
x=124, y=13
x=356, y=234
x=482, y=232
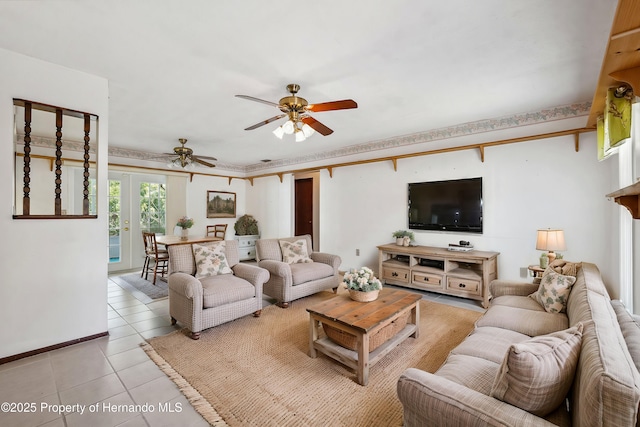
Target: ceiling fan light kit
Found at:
x=296, y=109
x=183, y=158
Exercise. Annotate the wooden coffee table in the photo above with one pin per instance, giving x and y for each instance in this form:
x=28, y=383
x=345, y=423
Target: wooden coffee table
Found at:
x=362, y=319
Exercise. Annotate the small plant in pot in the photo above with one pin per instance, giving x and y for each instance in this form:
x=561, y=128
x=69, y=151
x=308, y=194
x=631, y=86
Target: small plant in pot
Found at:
x=246, y=225
x=403, y=237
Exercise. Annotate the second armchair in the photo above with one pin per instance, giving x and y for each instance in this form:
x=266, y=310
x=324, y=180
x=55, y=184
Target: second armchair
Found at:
x=295, y=270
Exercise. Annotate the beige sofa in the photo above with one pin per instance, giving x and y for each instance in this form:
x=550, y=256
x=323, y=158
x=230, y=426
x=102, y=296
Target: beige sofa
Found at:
x=605, y=387
x=199, y=304
x=288, y=282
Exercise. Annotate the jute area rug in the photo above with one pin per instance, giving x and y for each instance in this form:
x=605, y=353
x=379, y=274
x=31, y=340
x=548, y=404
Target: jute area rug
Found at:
x=257, y=372
x=143, y=290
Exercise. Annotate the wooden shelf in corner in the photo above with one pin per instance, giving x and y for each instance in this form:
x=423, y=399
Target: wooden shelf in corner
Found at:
x=629, y=197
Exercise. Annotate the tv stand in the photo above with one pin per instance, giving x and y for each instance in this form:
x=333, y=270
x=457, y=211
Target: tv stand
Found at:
x=463, y=274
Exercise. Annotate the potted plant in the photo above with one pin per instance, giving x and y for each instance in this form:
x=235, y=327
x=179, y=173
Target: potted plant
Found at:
x=403, y=237
x=185, y=223
x=246, y=234
x=362, y=284
x=246, y=225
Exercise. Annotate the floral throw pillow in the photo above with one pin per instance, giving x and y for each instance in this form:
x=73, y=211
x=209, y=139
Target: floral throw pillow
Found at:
x=553, y=291
x=294, y=252
x=211, y=260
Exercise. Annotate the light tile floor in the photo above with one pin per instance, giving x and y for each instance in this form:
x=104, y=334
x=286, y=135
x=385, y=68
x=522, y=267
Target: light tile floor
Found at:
x=111, y=378
x=108, y=376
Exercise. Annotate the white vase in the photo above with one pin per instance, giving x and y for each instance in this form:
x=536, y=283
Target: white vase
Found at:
x=184, y=235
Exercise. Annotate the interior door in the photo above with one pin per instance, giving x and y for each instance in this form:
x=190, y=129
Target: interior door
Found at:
x=303, y=206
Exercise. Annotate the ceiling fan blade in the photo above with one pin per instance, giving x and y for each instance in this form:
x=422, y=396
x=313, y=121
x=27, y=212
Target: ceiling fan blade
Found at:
x=274, y=118
x=202, y=162
x=317, y=126
x=206, y=157
x=252, y=98
x=345, y=104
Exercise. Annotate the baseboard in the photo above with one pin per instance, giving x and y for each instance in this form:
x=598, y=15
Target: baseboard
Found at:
x=51, y=347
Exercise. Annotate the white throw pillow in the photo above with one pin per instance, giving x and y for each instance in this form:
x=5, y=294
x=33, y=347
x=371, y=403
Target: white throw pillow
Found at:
x=553, y=291
x=536, y=374
x=294, y=252
x=211, y=260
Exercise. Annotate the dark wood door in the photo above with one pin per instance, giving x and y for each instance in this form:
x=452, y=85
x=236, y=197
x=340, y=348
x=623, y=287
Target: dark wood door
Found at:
x=304, y=206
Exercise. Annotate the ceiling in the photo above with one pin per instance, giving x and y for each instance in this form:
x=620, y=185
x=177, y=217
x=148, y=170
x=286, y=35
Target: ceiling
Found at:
x=174, y=66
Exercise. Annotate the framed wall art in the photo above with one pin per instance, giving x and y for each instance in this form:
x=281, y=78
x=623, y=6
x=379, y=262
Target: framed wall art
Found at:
x=221, y=204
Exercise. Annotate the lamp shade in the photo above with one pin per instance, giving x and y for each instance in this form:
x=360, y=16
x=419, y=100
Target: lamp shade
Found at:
x=550, y=240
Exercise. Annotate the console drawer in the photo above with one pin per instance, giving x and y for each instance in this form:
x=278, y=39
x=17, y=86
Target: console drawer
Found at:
x=395, y=274
x=426, y=279
x=466, y=285
x=247, y=241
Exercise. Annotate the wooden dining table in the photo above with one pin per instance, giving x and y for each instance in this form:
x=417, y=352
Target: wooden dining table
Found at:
x=178, y=240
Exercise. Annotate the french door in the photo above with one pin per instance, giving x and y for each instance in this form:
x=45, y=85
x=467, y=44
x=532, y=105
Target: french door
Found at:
x=136, y=203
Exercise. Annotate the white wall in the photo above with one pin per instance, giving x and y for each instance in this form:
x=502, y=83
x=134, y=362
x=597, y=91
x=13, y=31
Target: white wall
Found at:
x=526, y=186
x=271, y=203
x=196, y=192
x=54, y=284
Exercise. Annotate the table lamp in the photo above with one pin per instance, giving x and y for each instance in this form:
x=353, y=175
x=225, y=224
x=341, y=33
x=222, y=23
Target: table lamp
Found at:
x=550, y=240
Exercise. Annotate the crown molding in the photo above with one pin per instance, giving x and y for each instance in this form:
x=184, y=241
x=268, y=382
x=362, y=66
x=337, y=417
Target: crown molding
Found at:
x=464, y=129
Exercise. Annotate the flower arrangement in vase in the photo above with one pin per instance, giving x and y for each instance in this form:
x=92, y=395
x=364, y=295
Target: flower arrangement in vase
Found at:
x=185, y=223
x=362, y=284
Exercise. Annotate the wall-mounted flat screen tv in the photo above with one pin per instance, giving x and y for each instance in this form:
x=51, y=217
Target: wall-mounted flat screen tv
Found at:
x=453, y=205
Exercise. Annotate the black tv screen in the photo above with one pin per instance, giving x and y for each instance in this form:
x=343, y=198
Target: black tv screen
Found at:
x=454, y=205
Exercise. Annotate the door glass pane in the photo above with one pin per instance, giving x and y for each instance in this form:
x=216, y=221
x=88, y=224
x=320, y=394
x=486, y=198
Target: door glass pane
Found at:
x=114, y=220
x=152, y=207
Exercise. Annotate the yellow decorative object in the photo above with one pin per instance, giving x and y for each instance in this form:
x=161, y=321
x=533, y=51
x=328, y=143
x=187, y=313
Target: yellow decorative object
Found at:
x=603, y=152
x=617, y=119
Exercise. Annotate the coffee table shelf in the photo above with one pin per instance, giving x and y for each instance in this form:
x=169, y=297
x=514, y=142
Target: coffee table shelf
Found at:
x=350, y=357
x=363, y=320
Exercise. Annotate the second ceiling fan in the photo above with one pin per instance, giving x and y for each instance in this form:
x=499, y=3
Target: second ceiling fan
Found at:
x=297, y=109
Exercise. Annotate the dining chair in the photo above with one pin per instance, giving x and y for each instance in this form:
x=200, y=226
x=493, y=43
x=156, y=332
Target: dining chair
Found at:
x=155, y=259
x=217, y=230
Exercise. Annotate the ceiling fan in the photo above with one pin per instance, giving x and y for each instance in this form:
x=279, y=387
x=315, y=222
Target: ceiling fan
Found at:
x=183, y=157
x=297, y=109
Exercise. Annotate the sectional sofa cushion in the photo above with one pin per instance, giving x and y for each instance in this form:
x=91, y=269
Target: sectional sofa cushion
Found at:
x=630, y=327
x=536, y=374
x=532, y=321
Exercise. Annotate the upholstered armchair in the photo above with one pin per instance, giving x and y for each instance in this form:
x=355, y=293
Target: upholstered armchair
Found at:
x=207, y=289
x=296, y=271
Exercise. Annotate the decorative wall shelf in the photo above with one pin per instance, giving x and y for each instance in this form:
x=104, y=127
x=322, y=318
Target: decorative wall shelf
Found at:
x=629, y=197
x=621, y=61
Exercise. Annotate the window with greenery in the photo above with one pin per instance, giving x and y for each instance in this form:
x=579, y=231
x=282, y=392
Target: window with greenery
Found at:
x=114, y=220
x=153, y=202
